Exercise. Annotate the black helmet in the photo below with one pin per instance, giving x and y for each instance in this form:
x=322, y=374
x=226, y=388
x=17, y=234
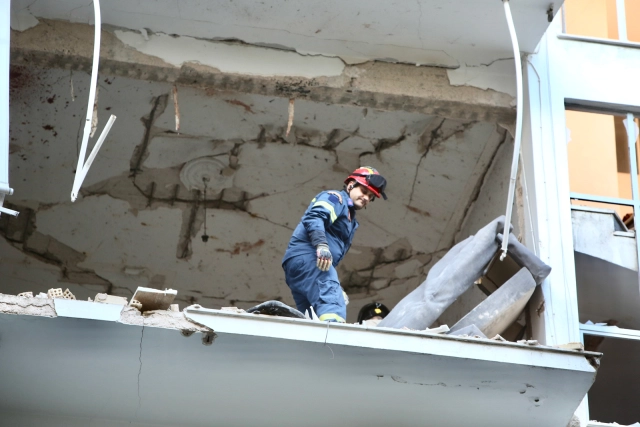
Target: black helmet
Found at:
x=371, y=310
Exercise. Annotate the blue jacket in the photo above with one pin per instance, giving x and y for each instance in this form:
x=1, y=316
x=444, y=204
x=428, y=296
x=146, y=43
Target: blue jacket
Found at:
x=331, y=219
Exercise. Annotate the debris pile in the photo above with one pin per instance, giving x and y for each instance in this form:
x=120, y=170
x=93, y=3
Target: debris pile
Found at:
x=51, y=294
x=110, y=299
x=144, y=299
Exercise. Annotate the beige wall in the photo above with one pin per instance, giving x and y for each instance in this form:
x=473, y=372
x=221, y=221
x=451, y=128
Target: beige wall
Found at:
x=592, y=154
x=595, y=167
x=632, y=10
x=598, y=164
x=598, y=18
x=592, y=18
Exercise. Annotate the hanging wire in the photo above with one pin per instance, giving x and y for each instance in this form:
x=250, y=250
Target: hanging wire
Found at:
x=205, y=236
x=518, y=132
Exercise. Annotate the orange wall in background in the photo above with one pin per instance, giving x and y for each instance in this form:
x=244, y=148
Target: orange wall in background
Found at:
x=593, y=160
x=598, y=154
x=598, y=18
x=593, y=167
x=592, y=18
x=632, y=10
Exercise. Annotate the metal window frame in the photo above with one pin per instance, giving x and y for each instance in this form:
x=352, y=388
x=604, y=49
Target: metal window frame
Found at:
x=608, y=331
x=632, y=136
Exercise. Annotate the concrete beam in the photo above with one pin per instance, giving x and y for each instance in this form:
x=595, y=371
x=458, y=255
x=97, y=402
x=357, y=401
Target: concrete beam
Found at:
x=377, y=85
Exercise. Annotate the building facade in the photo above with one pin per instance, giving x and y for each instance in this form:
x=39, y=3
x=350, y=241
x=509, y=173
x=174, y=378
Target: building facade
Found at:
x=273, y=103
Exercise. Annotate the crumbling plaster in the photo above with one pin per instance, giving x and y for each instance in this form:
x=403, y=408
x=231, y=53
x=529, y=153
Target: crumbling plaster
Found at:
x=46, y=307
x=231, y=57
x=498, y=75
x=138, y=225
x=375, y=85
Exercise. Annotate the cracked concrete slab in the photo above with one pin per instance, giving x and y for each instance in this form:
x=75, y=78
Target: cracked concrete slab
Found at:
x=10, y=304
x=45, y=307
x=375, y=85
x=231, y=57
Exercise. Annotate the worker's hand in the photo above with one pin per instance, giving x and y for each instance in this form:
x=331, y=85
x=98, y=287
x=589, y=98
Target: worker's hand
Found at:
x=324, y=257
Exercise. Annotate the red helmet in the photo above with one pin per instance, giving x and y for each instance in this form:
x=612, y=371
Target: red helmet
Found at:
x=370, y=178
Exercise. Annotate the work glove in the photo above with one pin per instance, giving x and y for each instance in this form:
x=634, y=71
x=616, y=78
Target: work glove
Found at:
x=324, y=257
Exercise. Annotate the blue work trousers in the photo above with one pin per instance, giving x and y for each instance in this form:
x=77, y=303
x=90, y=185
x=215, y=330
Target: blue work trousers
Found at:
x=312, y=287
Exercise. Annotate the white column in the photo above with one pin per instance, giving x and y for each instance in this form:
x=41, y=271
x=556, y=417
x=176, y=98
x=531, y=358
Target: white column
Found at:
x=5, y=34
x=622, y=20
x=549, y=214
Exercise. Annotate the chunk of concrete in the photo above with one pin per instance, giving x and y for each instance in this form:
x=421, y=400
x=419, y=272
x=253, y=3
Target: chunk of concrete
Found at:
x=110, y=299
x=68, y=295
x=55, y=293
x=577, y=346
x=153, y=299
x=470, y=330
x=494, y=315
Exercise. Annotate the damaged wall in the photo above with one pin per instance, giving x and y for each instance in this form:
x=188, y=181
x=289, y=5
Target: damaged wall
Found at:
x=224, y=65
x=139, y=225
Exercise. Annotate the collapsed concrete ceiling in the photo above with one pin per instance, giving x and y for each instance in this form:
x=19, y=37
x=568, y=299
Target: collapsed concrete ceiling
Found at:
x=138, y=224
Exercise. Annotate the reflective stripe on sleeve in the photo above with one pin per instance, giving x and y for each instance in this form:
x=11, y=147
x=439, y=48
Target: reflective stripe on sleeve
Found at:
x=331, y=316
x=328, y=207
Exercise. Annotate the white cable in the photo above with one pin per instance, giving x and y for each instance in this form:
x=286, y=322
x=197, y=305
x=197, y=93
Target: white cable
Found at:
x=518, y=135
x=83, y=168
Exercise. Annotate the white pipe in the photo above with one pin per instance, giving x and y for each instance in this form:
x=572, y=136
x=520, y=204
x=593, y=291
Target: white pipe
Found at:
x=518, y=135
x=83, y=168
x=622, y=20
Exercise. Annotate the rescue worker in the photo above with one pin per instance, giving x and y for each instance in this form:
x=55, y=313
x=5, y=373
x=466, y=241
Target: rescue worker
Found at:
x=371, y=314
x=321, y=240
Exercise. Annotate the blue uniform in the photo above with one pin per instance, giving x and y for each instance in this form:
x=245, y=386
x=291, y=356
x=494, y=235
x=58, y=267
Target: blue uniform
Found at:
x=330, y=219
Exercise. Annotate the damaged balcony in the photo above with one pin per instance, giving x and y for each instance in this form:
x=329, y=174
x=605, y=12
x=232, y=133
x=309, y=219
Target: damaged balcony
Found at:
x=203, y=366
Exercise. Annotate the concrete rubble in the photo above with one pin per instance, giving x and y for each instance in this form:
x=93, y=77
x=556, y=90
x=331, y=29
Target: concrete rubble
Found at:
x=153, y=299
x=168, y=319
